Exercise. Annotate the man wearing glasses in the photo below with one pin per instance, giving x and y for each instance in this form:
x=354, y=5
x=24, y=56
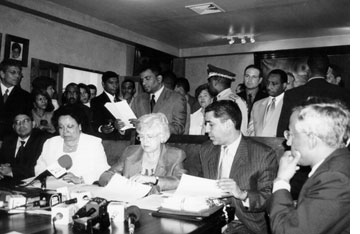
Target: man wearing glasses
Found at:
x=20, y=151
x=318, y=135
x=13, y=99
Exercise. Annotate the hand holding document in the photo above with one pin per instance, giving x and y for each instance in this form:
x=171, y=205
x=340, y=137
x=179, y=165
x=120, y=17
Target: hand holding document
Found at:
x=121, y=110
x=199, y=187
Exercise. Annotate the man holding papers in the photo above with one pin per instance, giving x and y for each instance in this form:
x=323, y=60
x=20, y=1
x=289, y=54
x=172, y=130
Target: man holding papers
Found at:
x=243, y=167
x=104, y=123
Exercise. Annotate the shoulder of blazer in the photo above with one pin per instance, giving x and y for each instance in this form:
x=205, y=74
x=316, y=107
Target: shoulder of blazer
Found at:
x=174, y=152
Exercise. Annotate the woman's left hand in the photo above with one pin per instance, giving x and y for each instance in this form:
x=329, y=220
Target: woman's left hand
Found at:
x=70, y=177
x=144, y=179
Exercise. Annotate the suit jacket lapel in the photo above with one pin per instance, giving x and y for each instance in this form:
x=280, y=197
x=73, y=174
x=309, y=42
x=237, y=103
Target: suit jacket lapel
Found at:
x=240, y=157
x=162, y=163
x=162, y=97
x=214, y=161
x=135, y=163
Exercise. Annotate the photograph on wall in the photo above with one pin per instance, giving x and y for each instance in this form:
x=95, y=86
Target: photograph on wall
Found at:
x=17, y=48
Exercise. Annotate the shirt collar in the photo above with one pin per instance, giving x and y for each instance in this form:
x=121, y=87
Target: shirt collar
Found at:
x=315, y=167
x=111, y=97
x=277, y=98
x=232, y=147
x=223, y=93
x=20, y=139
x=315, y=77
x=158, y=93
x=4, y=88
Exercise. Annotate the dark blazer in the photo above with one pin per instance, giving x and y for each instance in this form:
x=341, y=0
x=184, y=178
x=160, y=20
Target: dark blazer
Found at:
x=315, y=87
x=170, y=103
x=324, y=202
x=259, y=95
x=101, y=116
x=254, y=169
x=193, y=103
x=23, y=166
x=18, y=101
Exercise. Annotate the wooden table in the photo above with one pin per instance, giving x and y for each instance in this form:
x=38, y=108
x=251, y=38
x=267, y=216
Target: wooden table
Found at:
x=36, y=223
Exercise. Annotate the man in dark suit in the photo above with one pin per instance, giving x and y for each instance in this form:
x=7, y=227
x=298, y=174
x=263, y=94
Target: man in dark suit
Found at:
x=20, y=151
x=316, y=86
x=104, y=123
x=252, y=81
x=243, y=167
x=318, y=135
x=13, y=99
x=157, y=98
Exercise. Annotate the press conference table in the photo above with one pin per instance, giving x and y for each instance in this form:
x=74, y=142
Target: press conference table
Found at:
x=39, y=223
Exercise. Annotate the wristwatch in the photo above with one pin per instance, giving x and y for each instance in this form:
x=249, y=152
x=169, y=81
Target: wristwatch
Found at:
x=156, y=180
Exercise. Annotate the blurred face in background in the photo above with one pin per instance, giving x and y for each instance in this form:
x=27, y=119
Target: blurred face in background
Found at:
x=84, y=96
x=274, y=87
x=111, y=85
x=11, y=77
x=127, y=90
x=71, y=94
x=51, y=91
x=23, y=125
x=252, y=78
x=150, y=82
x=204, y=98
x=41, y=102
x=92, y=93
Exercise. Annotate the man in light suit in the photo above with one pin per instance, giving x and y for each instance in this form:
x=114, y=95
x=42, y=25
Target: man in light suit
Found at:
x=243, y=167
x=318, y=135
x=266, y=112
x=166, y=101
x=13, y=99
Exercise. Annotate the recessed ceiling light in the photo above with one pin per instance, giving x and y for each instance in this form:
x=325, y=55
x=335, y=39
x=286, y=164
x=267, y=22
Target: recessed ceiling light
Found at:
x=205, y=8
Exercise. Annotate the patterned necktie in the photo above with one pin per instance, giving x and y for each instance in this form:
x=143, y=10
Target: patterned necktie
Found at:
x=269, y=110
x=6, y=95
x=152, y=103
x=20, y=150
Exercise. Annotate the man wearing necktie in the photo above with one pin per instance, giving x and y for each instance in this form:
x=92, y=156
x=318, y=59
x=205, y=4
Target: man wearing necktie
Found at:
x=104, y=123
x=159, y=99
x=242, y=167
x=252, y=80
x=265, y=113
x=13, y=99
x=20, y=151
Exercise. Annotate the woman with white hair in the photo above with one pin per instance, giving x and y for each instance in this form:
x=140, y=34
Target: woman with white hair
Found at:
x=151, y=162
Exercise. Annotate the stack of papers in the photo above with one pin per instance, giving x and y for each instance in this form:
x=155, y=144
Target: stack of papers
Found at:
x=121, y=110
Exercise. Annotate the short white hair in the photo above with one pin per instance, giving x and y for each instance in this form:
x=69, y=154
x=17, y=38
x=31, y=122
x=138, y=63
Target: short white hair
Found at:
x=155, y=123
x=328, y=121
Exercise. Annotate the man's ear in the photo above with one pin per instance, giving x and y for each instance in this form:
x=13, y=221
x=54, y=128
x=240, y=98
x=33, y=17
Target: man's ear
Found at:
x=2, y=74
x=260, y=80
x=33, y=123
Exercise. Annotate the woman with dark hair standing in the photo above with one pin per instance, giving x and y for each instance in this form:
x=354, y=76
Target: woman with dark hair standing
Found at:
x=43, y=111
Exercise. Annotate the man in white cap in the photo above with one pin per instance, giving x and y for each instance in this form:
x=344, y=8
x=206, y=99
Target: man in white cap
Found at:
x=219, y=81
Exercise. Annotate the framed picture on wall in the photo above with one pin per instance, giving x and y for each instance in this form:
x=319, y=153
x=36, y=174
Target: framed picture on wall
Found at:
x=17, y=48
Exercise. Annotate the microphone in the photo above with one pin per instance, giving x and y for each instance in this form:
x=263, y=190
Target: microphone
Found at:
x=65, y=161
x=132, y=215
x=57, y=169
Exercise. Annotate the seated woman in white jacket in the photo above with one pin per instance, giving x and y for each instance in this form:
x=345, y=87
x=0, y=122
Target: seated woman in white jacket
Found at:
x=86, y=151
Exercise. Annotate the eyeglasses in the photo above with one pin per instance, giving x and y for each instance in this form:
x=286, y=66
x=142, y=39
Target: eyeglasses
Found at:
x=20, y=122
x=141, y=137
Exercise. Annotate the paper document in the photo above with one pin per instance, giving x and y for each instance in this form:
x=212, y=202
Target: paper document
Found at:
x=122, y=189
x=198, y=187
x=121, y=110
